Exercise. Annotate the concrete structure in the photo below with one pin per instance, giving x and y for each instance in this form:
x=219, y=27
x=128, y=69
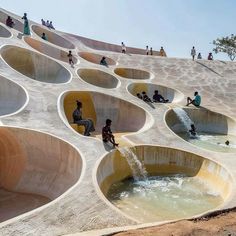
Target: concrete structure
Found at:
x=64, y=176
x=4, y=33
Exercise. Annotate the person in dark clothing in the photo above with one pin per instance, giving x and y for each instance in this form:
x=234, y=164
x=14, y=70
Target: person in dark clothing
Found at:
x=9, y=22
x=107, y=135
x=78, y=119
x=103, y=61
x=145, y=97
x=192, y=131
x=139, y=96
x=44, y=37
x=159, y=98
x=70, y=56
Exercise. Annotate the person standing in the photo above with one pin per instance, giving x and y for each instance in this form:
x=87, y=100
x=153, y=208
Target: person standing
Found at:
x=70, y=56
x=162, y=52
x=123, y=48
x=193, y=53
x=147, y=50
x=26, y=25
x=151, y=52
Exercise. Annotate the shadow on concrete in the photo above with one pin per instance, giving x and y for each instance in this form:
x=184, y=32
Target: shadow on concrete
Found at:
x=209, y=68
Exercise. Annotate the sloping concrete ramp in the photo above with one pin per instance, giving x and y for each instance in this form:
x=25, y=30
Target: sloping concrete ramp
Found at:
x=34, y=168
x=4, y=33
x=48, y=50
x=99, y=107
x=12, y=97
x=52, y=37
x=98, y=78
x=168, y=93
x=35, y=65
x=96, y=58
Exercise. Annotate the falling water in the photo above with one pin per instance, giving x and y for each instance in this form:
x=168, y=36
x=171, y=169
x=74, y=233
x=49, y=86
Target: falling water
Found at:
x=138, y=170
x=183, y=117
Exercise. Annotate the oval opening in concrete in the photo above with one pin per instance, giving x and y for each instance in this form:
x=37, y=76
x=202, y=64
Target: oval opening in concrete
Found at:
x=131, y=73
x=96, y=58
x=48, y=50
x=52, y=37
x=172, y=95
x=4, y=33
x=13, y=97
x=213, y=129
x=98, y=78
x=35, y=65
x=18, y=25
x=99, y=107
x=177, y=184
x=35, y=168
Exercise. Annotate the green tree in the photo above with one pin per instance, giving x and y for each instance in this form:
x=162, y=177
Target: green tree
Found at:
x=226, y=45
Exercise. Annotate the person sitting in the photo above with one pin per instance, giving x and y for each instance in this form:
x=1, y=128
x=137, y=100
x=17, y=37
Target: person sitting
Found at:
x=43, y=22
x=51, y=25
x=103, y=61
x=199, y=56
x=210, y=56
x=193, y=130
x=44, y=36
x=9, y=22
x=70, y=56
x=196, y=101
x=162, y=52
x=107, y=135
x=78, y=119
x=47, y=23
x=145, y=97
x=139, y=96
x=159, y=98
x=227, y=142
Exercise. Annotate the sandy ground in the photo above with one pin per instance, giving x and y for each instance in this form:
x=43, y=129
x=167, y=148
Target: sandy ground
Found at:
x=219, y=224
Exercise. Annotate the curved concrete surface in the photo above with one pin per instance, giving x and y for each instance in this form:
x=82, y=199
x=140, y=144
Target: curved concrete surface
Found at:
x=98, y=78
x=96, y=58
x=161, y=161
x=18, y=24
x=35, y=65
x=12, y=97
x=4, y=33
x=205, y=120
x=131, y=73
x=99, y=107
x=52, y=37
x=34, y=166
x=49, y=50
x=173, y=95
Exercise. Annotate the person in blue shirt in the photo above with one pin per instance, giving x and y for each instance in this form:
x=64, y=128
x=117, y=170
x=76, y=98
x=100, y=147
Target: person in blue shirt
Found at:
x=196, y=101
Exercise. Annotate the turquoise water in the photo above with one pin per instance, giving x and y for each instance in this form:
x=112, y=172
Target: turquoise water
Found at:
x=163, y=198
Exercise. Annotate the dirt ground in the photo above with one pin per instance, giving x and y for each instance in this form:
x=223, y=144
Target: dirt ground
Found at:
x=216, y=224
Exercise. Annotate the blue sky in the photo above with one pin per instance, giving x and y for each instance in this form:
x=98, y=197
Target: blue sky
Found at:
x=176, y=25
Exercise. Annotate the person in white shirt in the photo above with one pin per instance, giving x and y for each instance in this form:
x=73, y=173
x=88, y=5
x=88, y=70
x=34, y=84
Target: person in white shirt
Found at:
x=193, y=53
x=147, y=51
x=123, y=48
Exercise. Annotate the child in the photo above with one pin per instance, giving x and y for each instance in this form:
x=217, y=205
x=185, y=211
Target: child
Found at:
x=107, y=134
x=193, y=130
x=145, y=97
x=71, y=62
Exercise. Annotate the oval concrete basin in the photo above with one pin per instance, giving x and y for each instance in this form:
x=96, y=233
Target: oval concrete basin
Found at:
x=4, y=33
x=183, y=170
x=35, y=168
x=98, y=78
x=34, y=65
x=13, y=97
x=18, y=25
x=173, y=95
x=131, y=73
x=96, y=58
x=213, y=129
x=99, y=107
x=52, y=37
x=48, y=50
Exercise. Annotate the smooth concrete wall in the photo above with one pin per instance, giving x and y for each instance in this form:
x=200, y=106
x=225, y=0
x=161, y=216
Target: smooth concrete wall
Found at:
x=164, y=161
x=37, y=163
x=52, y=37
x=98, y=78
x=205, y=120
x=132, y=73
x=48, y=50
x=4, y=33
x=99, y=107
x=18, y=24
x=12, y=97
x=168, y=93
x=96, y=58
x=35, y=65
